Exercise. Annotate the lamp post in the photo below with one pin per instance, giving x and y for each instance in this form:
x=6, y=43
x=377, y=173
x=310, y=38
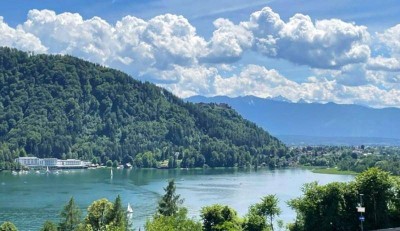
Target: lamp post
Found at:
x=361, y=210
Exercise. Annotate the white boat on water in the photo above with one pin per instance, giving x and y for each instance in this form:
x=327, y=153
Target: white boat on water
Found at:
x=129, y=209
x=47, y=169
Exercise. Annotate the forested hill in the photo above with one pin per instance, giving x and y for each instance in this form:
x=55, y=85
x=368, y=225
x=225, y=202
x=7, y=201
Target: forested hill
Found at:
x=64, y=107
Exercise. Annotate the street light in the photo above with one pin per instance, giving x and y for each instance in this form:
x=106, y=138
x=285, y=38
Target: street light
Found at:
x=361, y=210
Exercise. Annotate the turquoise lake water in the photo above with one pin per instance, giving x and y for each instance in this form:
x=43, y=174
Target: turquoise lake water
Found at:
x=28, y=200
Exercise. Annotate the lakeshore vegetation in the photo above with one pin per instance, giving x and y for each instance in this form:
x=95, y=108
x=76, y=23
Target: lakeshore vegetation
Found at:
x=321, y=207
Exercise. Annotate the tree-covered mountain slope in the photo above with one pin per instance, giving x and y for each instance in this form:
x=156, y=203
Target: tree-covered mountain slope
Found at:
x=64, y=107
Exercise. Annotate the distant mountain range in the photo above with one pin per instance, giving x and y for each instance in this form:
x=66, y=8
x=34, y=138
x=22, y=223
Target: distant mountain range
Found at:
x=315, y=123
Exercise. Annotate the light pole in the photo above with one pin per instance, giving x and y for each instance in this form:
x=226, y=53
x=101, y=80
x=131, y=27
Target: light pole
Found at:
x=361, y=210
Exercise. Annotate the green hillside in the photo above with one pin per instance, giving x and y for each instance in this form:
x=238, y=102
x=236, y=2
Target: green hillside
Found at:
x=64, y=107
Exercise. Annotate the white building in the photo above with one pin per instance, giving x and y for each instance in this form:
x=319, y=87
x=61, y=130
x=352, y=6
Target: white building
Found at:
x=34, y=162
x=29, y=161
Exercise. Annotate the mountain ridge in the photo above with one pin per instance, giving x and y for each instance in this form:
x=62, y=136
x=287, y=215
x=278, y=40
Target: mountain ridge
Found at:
x=314, y=119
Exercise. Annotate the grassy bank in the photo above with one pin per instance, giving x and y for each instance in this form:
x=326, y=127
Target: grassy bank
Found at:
x=327, y=170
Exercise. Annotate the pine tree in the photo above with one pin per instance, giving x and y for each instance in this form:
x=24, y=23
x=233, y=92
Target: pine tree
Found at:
x=170, y=202
x=119, y=217
x=70, y=216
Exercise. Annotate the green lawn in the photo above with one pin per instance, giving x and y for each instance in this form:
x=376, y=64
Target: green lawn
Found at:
x=332, y=171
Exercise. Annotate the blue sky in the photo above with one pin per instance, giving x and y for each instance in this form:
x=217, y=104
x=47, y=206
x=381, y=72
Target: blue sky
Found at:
x=319, y=51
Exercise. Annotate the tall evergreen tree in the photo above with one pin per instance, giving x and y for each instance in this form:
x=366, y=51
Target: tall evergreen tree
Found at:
x=119, y=217
x=70, y=216
x=170, y=202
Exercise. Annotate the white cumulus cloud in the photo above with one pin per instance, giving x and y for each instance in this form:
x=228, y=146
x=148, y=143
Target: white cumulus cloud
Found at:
x=19, y=38
x=391, y=38
x=228, y=42
x=384, y=64
x=324, y=44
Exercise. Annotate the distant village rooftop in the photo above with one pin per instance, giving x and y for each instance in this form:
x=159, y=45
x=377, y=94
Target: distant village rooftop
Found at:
x=34, y=162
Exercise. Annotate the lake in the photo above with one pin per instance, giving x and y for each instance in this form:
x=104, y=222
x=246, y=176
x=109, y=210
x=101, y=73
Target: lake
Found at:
x=30, y=199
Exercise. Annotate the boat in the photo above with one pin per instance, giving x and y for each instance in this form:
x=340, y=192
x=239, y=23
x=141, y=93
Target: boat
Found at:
x=129, y=209
x=47, y=169
x=128, y=165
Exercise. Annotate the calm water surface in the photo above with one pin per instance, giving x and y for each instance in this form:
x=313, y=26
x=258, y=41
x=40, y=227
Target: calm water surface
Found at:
x=29, y=199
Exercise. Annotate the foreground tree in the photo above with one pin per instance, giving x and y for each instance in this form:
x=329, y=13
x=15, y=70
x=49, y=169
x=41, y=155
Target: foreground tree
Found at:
x=8, y=226
x=254, y=221
x=49, y=226
x=99, y=214
x=119, y=218
x=333, y=206
x=375, y=185
x=70, y=216
x=325, y=207
x=268, y=207
x=170, y=202
x=220, y=218
x=177, y=222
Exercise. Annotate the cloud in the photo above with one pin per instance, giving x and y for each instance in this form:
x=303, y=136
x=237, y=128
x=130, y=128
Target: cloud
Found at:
x=19, y=39
x=391, y=39
x=254, y=80
x=167, y=50
x=160, y=43
x=327, y=44
x=173, y=40
x=380, y=63
x=191, y=80
x=68, y=33
x=259, y=81
x=228, y=42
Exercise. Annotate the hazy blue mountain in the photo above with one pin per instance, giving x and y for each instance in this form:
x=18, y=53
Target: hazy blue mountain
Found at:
x=315, y=123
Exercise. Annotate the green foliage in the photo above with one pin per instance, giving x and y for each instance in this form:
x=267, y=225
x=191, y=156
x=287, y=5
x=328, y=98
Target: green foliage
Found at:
x=70, y=216
x=49, y=226
x=63, y=107
x=99, y=214
x=84, y=227
x=109, y=163
x=177, y=222
x=220, y=218
x=170, y=202
x=376, y=186
x=253, y=221
x=8, y=226
x=350, y=159
x=118, y=217
x=267, y=208
x=333, y=206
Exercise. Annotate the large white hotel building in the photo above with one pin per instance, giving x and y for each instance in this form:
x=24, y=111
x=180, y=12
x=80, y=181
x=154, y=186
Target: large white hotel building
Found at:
x=34, y=162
